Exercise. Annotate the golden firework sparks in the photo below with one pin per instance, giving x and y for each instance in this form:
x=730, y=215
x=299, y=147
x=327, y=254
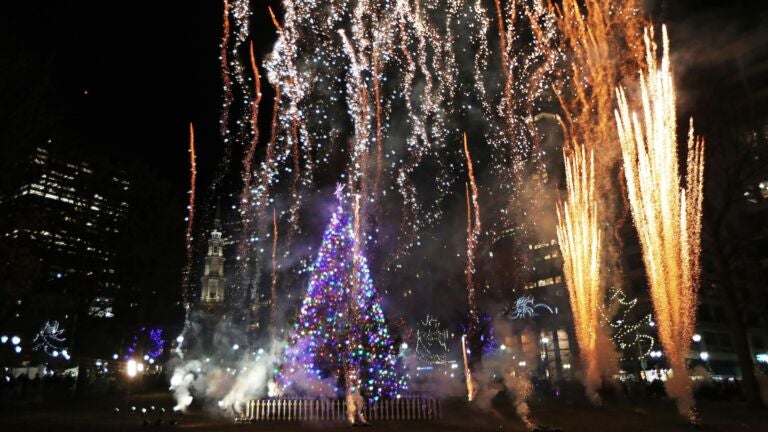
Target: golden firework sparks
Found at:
x=667, y=216
x=578, y=233
x=603, y=40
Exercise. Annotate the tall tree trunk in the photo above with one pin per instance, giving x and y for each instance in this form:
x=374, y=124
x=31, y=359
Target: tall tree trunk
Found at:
x=734, y=314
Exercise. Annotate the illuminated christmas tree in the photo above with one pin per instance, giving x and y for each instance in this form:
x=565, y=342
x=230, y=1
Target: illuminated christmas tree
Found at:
x=340, y=343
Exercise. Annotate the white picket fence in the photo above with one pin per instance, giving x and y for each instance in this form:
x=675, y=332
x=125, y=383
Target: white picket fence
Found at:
x=405, y=408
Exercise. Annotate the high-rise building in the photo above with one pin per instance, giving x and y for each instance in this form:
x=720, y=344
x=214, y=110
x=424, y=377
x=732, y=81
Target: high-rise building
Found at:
x=60, y=224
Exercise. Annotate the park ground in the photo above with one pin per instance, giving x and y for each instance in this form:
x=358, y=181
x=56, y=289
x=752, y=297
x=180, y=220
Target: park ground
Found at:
x=656, y=415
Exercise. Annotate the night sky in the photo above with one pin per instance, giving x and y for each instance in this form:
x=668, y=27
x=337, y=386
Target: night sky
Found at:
x=120, y=81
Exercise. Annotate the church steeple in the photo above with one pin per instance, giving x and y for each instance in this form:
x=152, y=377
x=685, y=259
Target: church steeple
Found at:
x=212, y=281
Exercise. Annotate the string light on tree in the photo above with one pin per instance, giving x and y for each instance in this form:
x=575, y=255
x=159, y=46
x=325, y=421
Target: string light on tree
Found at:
x=341, y=335
x=431, y=341
x=632, y=337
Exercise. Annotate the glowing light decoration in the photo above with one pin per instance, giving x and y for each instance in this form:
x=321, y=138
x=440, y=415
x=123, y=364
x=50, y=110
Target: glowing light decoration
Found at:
x=432, y=341
x=632, y=337
x=666, y=214
x=49, y=339
x=525, y=307
x=341, y=335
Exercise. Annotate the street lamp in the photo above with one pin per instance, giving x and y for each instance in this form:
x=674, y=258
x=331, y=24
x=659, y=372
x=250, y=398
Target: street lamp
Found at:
x=131, y=369
x=704, y=355
x=696, y=338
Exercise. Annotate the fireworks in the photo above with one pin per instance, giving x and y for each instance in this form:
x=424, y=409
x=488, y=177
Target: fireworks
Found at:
x=343, y=63
x=578, y=233
x=190, y=218
x=604, y=46
x=273, y=285
x=667, y=215
x=473, y=231
x=248, y=174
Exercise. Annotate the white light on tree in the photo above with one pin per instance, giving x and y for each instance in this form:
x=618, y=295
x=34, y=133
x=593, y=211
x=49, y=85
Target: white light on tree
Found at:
x=696, y=337
x=15, y=340
x=3, y=339
x=49, y=339
x=704, y=356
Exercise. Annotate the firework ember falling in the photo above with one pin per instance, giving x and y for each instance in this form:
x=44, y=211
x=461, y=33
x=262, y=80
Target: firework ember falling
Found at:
x=473, y=232
x=580, y=242
x=667, y=215
x=273, y=285
x=190, y=216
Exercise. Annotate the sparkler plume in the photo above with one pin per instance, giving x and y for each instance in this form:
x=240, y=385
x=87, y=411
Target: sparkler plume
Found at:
x=579, y=236
x=603, y=40
x=666, y=214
